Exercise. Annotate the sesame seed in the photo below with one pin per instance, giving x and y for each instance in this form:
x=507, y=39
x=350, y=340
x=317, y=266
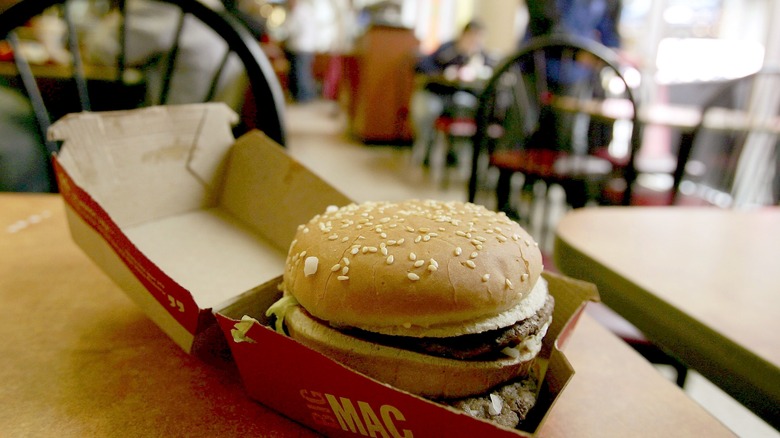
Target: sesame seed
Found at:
x=460, y=233
x=345, y=270
x=305, y=230
x=424, y=229
x=384, y=251
x=412, y=256
x=471, y=264
x=345, y=261
x=333, y=237
x=515, y=237
x=364, y=250
x=342, y=278
x=412, y=276
x=335, y=267
x=480, y=238
x=390, y=259
x=485, y=278
x=419, y=263
x=310, y=266
x=527, y=242
x=474, y=255
x=401, y=241
x=501, y=238
x=372, y=249
x=355, y=251
x=384, y=235
x=426, y=238
x=303, y=254
x=391, y=242
x=434, y=263
x=524, y=277
x=432, y=268
x=346, y=238
x=475, y=242
x=417, y=239
x=458, y=251
x=509, y=284
x=410, y=229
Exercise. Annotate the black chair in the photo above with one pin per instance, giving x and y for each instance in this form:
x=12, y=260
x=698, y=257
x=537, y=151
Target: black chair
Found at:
x=554, y=112
x=547, y=113
x=731, y=159
x=54, y=91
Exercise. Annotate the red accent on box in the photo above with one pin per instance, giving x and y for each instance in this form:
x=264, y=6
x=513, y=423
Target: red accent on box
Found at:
x=316, y=391
x=172, y=296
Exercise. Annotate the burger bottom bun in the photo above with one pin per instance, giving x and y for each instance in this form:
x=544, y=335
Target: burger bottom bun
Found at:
x=417, y=373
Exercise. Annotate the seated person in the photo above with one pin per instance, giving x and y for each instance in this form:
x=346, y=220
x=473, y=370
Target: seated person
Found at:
x=463, y=59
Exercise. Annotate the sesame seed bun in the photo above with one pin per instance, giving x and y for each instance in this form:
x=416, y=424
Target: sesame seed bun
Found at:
x=414, y=268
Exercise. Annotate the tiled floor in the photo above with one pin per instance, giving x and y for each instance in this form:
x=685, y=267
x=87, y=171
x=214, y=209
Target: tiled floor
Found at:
x=317, y=138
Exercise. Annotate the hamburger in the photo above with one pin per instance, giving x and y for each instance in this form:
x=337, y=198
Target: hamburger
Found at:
x=440, y=299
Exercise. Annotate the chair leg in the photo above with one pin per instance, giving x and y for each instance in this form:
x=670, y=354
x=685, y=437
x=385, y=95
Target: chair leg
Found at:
x=682, y=374
x=544, y=226
x=503, y=189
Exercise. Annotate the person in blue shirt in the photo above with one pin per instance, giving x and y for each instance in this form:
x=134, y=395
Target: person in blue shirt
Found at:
x=594, y=19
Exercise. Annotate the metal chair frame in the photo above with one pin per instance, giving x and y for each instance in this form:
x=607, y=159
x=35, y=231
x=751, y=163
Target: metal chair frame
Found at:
x=485, y=135
x=265, y=88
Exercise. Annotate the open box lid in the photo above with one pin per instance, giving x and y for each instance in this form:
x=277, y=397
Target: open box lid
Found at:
x=179, y=213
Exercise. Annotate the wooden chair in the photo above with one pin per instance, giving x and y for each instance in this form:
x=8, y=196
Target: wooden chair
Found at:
x=559, y=111
x=732, y=158
x=54, y=90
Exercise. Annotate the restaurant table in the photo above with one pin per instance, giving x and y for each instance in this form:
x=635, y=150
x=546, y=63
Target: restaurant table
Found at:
x=701, y=282
x=80, y=359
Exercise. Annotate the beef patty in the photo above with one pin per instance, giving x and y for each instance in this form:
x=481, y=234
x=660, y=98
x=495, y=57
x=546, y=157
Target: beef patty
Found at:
x=478, y=346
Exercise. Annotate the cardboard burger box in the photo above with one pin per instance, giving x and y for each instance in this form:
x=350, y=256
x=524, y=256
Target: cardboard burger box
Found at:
x=194, y=226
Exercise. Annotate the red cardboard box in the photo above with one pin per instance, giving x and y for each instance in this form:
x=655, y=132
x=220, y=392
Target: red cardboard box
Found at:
x=195, y=226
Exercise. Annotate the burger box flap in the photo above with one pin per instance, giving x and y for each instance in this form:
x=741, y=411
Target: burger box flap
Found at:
x=178, y=213
x=327, y=396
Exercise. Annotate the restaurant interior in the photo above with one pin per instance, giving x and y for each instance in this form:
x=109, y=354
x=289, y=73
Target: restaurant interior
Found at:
x=690, y=100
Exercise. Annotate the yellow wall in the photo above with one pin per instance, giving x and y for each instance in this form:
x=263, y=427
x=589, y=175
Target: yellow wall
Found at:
x=506, y=21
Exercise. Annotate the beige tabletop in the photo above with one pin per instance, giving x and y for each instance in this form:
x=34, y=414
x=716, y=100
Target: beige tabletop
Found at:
x=701, y=282
x=80, y=359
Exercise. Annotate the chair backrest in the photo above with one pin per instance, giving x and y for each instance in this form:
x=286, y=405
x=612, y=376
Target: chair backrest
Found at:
x=554, y=93
x=138, y=53
x=731, y=159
